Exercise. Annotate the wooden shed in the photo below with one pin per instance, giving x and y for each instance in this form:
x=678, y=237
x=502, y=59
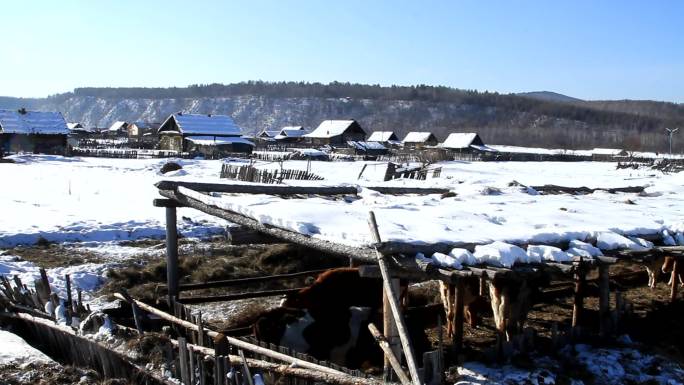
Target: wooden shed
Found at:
x=416, y=139
x=383, y=137
x=209, y=135
x=336, y=132
x=464, y=142
x=32, y=131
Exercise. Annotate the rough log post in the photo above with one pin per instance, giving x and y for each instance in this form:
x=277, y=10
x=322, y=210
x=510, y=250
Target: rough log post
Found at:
x=458, y=317
x=578, y=305
x=675, y=281
x=69, y=304
x=394, y=304
x=604, y=299
x=183, y=359
x=390, y=331
x=171, y=254
x=389, y=354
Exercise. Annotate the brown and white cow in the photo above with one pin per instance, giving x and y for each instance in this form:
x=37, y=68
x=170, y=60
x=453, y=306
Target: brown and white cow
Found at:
x=329, y=320
x=473, y=303
x=510, y=301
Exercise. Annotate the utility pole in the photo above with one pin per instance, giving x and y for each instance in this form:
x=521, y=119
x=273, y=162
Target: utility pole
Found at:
x=670, y=132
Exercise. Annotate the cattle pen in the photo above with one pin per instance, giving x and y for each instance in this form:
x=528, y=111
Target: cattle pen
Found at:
x=393, y=262
x=196, y=353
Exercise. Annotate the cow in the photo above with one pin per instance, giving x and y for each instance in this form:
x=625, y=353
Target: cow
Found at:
x=668, y=266
x=473, y=303
x=653, y=269
x=510, y=301
x=329, y=320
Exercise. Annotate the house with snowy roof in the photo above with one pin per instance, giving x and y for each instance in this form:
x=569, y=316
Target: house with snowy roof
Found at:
x=291, y=134
x=32, y=131
x=208, y=135
x=383, y=137
x=143, y=131
x=267, y=134
x=416, y=139
x=336, y=132
x=464, y=142
x=118, y=128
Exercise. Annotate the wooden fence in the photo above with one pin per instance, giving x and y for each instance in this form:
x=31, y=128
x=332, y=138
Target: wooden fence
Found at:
x=252, y=174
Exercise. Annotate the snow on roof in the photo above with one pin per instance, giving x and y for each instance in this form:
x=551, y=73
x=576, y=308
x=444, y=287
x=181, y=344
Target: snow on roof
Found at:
x=330, y=128
x=268, y=133
x=606, y=151
x=417, y=137
x=206, y=141
x=197, y=124
x=459, y=140
x=381, y=136
x=117, y=126
x=363, y=146
x=32, y=122
x=288, y=132
x=301, y=128
x=73, y=126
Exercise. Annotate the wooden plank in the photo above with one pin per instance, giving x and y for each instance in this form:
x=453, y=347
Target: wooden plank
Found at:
x=268, y=189
x=390, y=330
x=183, y=358
x=390, y=354
x=236, y=296
x=233, y=341
x=394, y=304
x=250, y=280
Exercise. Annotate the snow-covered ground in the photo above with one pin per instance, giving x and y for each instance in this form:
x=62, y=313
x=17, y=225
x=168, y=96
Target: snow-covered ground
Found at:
x=15, y=350
x=97, y=202
x=622, y=365
x=93, y=203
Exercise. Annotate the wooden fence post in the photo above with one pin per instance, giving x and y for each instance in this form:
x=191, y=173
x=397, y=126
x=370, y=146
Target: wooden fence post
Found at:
x=675, y=281
x=171, y=254
x=578, y=304
x=394, y=304
x=604, y=299
x=458, y=316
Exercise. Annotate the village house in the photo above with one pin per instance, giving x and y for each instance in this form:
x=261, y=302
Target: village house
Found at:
x=208, y=135
x=79, y=130
x=383, y=137
x=32, y=131
x=117, y=129
x=291, y=134
x=268, y=135
x=463, y=142
x=138, y=130
x=336, y=133
x=417, y=139
x=367, y=148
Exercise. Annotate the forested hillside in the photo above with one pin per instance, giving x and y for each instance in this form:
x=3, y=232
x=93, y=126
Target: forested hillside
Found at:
x=501, y=119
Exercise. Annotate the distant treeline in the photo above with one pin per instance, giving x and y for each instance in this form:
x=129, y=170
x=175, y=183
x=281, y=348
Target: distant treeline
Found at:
x=649, y=116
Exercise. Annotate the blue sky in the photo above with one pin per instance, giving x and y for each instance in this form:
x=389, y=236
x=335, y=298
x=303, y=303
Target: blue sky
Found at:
x=587, y=49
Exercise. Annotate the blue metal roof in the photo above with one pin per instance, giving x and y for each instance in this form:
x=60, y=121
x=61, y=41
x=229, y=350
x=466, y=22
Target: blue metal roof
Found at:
x=195, y=124
x=32, y=122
